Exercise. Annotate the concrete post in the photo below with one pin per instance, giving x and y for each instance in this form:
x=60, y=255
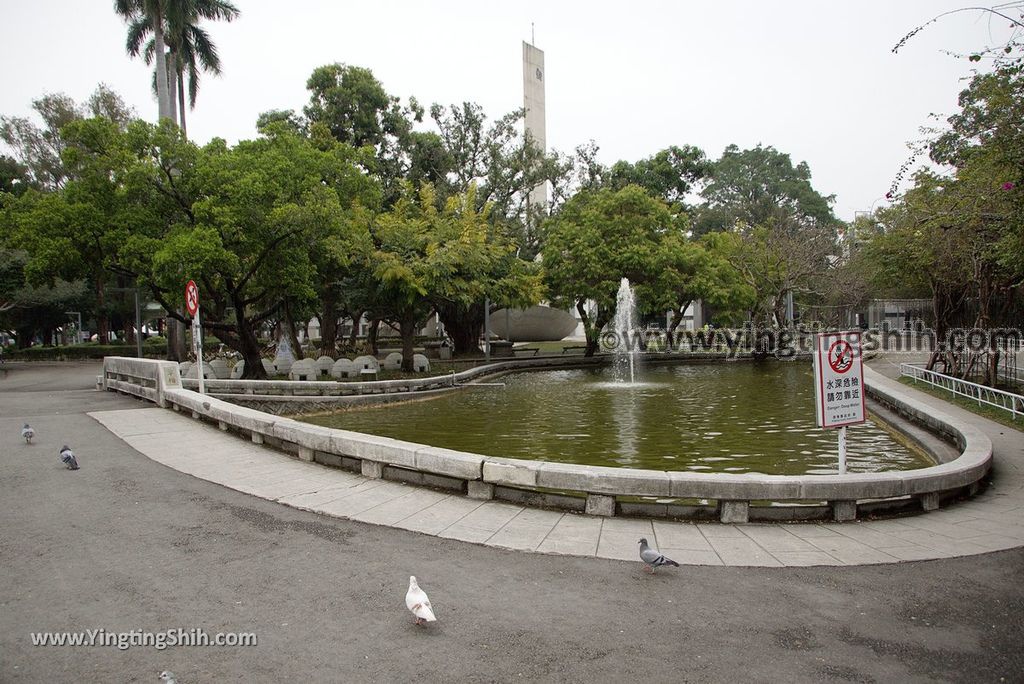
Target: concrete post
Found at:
x=476, y=489
x=844, y=511
x=733, y=512
x=598, y=504
x=930, y=501
x=372, y=469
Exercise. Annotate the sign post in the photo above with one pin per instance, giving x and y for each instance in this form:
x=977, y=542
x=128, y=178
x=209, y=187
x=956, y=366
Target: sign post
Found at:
x=839, y=384
x=192, y=305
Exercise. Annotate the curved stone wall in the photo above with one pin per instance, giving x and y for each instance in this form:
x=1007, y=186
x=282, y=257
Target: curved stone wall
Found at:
x=599, y=490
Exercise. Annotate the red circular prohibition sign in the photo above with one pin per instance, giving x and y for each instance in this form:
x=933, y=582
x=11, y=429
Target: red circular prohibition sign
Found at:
x=840, y=356
x=192, y=297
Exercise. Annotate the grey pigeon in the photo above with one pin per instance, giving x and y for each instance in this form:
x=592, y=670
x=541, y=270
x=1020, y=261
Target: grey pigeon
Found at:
x=68, y=457
x=652, y=558
x=168, y=677
x=27, y=433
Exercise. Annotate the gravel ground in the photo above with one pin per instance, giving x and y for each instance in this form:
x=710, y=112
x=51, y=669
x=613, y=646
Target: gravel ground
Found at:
x=125, y=543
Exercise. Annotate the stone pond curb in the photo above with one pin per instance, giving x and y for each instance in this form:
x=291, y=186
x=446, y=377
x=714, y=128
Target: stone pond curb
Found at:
x=594, y=489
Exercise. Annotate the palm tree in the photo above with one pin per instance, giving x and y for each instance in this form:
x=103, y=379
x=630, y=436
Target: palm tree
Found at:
x=149, y=14
x=190, y=48
x=194, y=51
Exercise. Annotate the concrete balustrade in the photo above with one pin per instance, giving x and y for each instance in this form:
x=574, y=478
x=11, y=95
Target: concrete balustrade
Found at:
x=487, y=476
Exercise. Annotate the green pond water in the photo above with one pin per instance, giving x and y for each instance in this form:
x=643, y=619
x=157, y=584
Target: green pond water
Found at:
x=725, y=417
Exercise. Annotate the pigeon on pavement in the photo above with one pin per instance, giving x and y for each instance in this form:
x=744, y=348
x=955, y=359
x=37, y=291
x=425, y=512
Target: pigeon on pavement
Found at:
x=68, y=457
x=27, y=433
x=168, y=677
x=416, y=600
x=652, y=558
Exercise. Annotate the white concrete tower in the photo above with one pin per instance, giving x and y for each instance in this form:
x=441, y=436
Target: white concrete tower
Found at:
x=533, y=102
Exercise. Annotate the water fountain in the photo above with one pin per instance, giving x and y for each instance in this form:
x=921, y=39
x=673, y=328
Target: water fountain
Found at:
x=625, y=330
x=685, y=417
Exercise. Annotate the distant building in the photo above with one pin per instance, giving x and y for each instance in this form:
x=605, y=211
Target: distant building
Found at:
x=533, y=103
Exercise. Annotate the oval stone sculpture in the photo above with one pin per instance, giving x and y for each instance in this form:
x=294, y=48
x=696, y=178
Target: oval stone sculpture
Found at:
x=323, y=366
x=367, y=362
x=342, y=368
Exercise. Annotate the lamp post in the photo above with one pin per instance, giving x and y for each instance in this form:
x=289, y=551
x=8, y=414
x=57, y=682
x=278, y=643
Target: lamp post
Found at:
x=487, y=330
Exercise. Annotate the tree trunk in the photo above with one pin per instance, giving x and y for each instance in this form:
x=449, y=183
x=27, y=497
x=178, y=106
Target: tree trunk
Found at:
x=172, y=85
x=463, y=325
x=25, y=335
x=371, y=336
x=293, y=336
x=588, y=328
x=408, y=330
x=181, y=103
x=163, y=103
x=354, y=335
x=175, y=340
x=249, y=346
x=677, y=319
x=102, y=324
x=329, y=325
x=465, y=338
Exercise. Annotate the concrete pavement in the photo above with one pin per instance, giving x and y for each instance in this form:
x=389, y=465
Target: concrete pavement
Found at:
x=127, y=543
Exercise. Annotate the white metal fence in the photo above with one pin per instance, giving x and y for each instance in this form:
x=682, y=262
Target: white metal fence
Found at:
x=1007, y=401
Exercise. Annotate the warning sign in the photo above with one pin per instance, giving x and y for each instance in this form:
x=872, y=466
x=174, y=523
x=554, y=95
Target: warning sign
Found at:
x=838, y=379
x=191, y=298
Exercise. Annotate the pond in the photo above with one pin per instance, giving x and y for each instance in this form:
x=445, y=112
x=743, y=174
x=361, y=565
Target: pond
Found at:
x=733, y=417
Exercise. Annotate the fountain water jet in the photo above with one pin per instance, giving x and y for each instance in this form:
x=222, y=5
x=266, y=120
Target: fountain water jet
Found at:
x=625, y=329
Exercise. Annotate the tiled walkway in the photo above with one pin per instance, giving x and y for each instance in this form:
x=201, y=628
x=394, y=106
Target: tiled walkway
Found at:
x=990, y=522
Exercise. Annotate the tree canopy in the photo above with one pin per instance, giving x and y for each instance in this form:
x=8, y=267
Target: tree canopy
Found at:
x=761, y=187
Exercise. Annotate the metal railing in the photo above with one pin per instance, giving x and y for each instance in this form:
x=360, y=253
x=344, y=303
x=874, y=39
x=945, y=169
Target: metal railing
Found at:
x=1007, y=401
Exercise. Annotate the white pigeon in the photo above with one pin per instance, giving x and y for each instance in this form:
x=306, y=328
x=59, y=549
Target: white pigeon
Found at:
x=68, y=457
x=416, y=600
x=27, y=433
x=168, y=677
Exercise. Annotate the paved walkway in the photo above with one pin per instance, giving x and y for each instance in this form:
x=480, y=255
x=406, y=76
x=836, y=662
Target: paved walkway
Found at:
x=992, y=521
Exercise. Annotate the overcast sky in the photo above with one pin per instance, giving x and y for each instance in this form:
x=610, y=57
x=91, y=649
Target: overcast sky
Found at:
x=816, y=80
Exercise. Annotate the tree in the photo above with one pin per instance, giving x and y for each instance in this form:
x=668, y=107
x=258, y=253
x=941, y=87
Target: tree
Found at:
x=35, y=310
x=288, y=117
x=14, y=176
x=502, y=165
x=704, y=270
x=153, y=14
x=354, y=107
x=250, y=218
x=76, y=232
x=600, y=237
x=425, y=257
x=962, y=232
x=670, y=174
x=962, y=236
x=501, y=162
x=773, y=263
x=191, y=50
x=761, y=187
x=39, y=149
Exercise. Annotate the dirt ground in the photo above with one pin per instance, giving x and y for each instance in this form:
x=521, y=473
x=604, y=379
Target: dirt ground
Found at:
x=125, y=543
